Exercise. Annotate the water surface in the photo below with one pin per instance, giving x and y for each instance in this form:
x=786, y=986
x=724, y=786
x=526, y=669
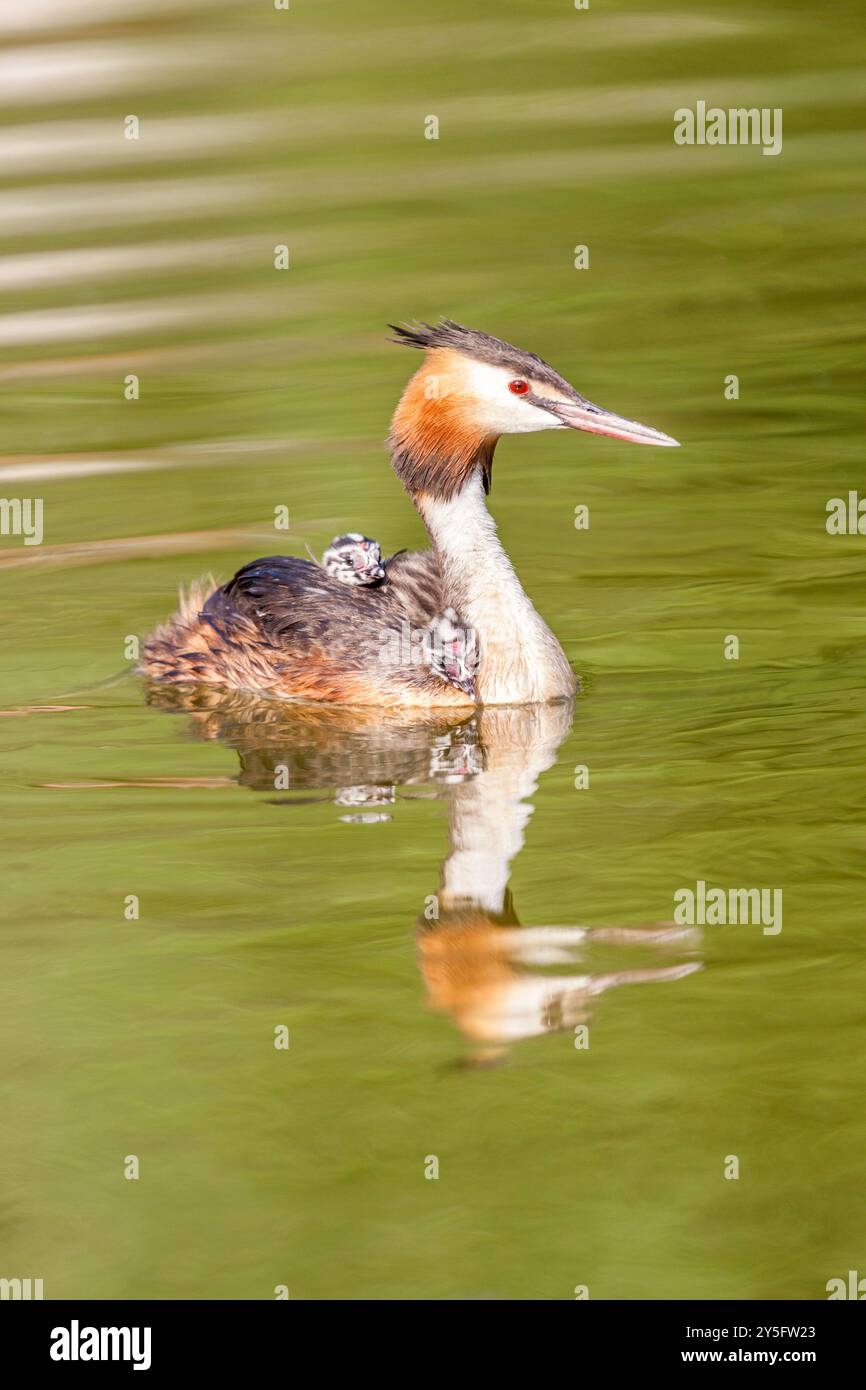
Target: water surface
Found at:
x=415, y=1035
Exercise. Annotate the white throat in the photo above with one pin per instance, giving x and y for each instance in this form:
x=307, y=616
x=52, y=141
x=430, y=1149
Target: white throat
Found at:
x=521, y=660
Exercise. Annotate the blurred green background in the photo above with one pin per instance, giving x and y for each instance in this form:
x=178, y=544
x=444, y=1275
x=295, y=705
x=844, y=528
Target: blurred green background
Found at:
x=261, y=388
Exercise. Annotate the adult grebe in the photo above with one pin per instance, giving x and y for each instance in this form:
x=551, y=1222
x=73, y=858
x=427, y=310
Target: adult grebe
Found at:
x=286, y=626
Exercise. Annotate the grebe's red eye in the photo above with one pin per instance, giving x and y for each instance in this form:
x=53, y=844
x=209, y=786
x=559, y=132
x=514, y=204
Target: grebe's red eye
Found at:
x=519, y=387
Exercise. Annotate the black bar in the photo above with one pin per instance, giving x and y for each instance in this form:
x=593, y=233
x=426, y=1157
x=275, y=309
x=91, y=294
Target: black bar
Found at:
x=223, y=1338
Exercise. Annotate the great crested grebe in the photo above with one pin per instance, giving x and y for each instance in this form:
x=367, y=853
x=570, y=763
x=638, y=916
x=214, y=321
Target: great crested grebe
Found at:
x=285, y=626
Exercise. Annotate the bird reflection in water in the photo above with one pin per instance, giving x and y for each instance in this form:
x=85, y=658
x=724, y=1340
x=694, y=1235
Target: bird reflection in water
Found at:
x=491, y=974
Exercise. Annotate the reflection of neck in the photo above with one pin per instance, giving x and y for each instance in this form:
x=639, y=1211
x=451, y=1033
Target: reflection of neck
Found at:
x=489, y=812
x=521, y=660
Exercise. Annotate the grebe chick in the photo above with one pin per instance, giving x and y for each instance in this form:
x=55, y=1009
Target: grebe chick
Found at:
x=451, y=650
x=354, y=559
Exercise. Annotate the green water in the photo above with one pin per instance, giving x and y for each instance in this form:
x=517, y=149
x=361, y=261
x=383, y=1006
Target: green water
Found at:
x=260, y=907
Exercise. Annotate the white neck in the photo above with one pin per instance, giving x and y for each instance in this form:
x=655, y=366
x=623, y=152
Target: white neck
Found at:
x=521, y=660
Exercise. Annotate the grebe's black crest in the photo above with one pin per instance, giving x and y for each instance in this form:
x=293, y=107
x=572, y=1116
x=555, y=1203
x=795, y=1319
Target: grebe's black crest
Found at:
x=483, y=347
